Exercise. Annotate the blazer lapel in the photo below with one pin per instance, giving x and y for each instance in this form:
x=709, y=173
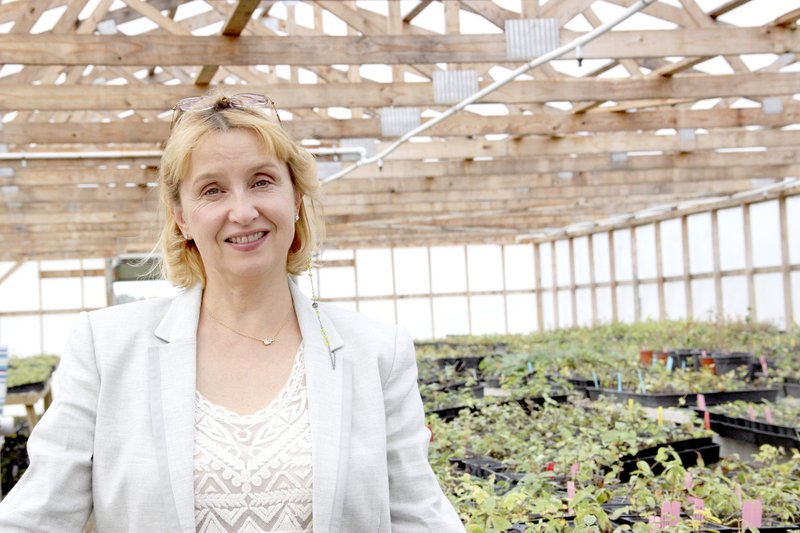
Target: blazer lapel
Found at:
x=173, y=382
x=329, y=407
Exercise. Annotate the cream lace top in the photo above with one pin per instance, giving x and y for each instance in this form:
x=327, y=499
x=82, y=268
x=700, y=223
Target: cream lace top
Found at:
x=253, y=472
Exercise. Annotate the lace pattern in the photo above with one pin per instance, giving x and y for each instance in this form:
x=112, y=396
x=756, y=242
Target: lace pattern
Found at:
x=253, y=472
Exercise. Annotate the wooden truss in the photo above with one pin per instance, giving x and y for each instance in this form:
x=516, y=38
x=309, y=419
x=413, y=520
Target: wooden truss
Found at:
x=692, y=104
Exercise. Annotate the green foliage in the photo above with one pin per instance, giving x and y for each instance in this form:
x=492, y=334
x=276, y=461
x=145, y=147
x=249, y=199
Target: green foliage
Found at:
x=30, y=370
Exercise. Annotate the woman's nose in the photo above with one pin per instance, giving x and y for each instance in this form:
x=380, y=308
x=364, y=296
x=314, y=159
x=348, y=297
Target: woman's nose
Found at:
x=242, y=209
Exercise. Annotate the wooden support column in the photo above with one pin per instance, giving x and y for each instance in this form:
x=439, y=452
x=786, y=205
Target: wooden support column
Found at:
x=109, y=282
x=469, y=293
x=573, y=288
x=612, y=276
x=717, y=274
x=637, y=301
x=785, y=267
x=662, y=303
x=430, y=290
x=355, y=281
x=537, y=268
x=748, y=264
x=554, y=279
x=687, y=280
x=394, y=287
x=592, y=280
x=505, y=288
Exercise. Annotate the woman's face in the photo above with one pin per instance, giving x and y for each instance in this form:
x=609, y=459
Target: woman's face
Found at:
x=238, y=205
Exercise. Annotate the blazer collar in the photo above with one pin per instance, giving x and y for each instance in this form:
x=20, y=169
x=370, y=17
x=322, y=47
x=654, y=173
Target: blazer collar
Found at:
x=173, y=379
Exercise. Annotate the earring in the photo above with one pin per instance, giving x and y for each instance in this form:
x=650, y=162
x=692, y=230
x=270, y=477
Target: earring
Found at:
x=187, y=237
x=296, y=218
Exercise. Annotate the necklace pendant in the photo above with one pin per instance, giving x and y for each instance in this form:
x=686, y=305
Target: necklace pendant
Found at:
x=267, y=342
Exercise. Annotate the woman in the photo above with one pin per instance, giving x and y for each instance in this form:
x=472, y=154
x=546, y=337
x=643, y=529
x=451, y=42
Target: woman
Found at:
x=239, y=405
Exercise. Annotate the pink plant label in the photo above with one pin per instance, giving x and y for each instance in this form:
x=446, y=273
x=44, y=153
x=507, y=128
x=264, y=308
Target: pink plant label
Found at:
x=688, y=482
x=751, y=514
x=763, y=361
x=655, y=524
x=768, y=415
x=701, y=402
x=670, y=513
x=699, y=506
x=707, y=420
x=573, y=470
x=570, y=490
x=751, y=413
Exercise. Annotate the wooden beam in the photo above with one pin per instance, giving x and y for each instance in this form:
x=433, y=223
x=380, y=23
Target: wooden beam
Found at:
x=233, y=28
x=178, y=50
x=462, y=125
x=371, y=94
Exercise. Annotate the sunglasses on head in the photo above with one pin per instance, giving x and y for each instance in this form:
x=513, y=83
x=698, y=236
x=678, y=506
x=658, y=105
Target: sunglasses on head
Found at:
x=197, y=104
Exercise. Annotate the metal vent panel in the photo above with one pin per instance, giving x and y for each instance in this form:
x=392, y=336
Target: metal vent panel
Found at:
x=453, y=86
x=396, y=121
x=529, y=38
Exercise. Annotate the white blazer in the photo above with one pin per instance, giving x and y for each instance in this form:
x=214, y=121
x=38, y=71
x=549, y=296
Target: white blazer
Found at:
x=119, y=437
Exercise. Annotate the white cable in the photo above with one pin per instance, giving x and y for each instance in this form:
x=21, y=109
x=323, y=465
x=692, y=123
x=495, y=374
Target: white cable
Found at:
x=553, y=54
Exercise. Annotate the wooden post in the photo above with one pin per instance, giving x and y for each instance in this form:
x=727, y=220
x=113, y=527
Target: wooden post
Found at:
x=687, y=280
x=469, y=293
x=554, y=280
x=537, y=267
x=430, y=291
x=637, y=302
x=662, y=304
x=748, y=264
x=612, y=276
x=785, y=269
x=717, y=265
x=505, y=288
x=573, y=289
x=394, y=288
x=592, y=280
x=355, y=281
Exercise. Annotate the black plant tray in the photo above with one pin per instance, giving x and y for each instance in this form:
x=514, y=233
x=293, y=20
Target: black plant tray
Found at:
x=754, y=431
x=791, y=387
x=688, y=450
x=449, y=413
x=486, y=467
x=630, y=520
x=461, y=363
x=672, y=399
x=29, y=387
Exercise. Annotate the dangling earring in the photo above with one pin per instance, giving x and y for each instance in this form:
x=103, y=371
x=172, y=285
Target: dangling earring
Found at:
x=296, y=218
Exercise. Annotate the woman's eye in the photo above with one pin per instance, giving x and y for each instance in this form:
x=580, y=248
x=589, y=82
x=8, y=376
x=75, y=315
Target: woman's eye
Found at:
x=211, y=191
x=262, y=182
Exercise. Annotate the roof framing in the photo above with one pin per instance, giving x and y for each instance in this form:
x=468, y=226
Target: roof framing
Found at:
x=686, y=103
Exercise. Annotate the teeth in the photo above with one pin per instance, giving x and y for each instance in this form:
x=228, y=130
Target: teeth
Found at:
x=247, y=238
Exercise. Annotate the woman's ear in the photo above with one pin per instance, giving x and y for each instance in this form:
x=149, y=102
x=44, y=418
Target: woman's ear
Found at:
x=177, y=212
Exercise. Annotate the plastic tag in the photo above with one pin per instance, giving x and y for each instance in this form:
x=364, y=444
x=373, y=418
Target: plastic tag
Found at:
x=670, y=513
x=739, y=494
x=641, y=382
x=751, y=413
x=670, y=363
x=688, y=481
x=570, y=490
x=699, y=506
x=596, y=381
x=530, y=367
x=751, y=514
x=763, y=361
x=573, y=470
x=707, y=420
x=768, y=414
x=660, y=416
x=701, y=402
x=619, y=382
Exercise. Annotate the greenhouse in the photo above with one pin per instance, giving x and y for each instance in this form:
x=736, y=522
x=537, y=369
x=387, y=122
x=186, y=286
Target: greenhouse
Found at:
x=579, y=219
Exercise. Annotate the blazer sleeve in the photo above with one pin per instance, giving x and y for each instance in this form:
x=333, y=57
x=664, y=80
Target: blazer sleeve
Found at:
x=417, y=502
x=55, y=493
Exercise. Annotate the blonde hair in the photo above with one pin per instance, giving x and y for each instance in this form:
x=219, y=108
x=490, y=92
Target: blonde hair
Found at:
x=181, y=262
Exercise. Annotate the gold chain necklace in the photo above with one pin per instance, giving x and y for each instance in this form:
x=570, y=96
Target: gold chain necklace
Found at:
x=266, y=341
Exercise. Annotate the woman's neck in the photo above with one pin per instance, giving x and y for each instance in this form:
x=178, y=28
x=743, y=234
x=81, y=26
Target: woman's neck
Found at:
x=248, y=304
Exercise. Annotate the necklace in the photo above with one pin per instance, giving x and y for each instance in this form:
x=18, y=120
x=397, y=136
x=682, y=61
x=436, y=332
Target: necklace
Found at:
x=266, y=341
